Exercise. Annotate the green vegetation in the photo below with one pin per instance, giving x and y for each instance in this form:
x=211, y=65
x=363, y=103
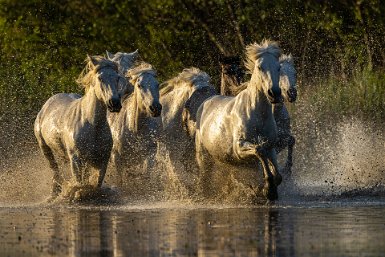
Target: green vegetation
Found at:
x=362, y=95
x=338, y=45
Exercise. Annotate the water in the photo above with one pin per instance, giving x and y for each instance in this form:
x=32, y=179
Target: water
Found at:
x=333, y=205
x=337, y=228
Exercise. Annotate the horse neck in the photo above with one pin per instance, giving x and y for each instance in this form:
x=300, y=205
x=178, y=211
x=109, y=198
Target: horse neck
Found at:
x=93, y=110
x=258, y=105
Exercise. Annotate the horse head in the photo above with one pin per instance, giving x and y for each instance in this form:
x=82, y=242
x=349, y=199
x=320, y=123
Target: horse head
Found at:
x=125, y=61
x=146, y=88
x=263, y=64
x=288, y=78
x=103, y=77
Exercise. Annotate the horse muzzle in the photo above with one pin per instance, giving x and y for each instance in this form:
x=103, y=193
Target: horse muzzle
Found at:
x=156, y=109
x=114, y=105
x=274, y=97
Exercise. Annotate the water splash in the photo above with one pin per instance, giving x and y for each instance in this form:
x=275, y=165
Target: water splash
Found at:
x=332, y=158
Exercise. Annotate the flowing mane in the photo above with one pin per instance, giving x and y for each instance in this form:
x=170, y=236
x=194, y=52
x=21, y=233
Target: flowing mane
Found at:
x=193, y=77
x=286, y=61
x=140, y=68
x=87, y=76
x=254, y=51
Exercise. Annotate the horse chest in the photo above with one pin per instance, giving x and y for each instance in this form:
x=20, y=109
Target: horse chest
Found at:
x=93, y=141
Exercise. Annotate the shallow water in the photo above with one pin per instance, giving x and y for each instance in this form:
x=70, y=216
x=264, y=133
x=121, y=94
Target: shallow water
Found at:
x=300, y=228
x=333, y=205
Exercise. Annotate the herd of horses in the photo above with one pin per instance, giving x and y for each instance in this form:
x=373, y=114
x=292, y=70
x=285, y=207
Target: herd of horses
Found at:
x=124, y=115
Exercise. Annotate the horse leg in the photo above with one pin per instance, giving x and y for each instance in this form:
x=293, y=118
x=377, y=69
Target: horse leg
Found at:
x=270, y=188
x=117, y=164
x=76, y=168
x=268, y=159
x=271, y=156
x=290, y=146
x=102, y=173
x=57, y=179
x=204, y=166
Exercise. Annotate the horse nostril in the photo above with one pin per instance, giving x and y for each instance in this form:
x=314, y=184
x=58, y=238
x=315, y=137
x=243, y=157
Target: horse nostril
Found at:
x=159, y=107
x=115, y=102
x=114, y=105
x=156, y=109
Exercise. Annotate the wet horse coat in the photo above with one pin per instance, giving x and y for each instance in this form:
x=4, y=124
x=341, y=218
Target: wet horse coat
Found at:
x=180, y=97
x=287, y=83
x=134, y=130
x=242, y=129
x=73, y=128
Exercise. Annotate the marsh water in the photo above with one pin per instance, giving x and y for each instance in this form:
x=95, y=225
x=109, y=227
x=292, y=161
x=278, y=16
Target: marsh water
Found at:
x=311, y=228
x=333, y=205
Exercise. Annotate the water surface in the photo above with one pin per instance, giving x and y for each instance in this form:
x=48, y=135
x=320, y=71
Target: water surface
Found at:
x=312, y=228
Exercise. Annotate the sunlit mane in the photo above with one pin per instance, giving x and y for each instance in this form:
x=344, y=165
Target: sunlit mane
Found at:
x=287, y=69
x=254, y=51
x=87, y=76
x=140, y=68
x=193, y=77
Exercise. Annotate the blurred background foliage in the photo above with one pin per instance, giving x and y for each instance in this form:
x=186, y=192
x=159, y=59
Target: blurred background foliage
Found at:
x=338, y=45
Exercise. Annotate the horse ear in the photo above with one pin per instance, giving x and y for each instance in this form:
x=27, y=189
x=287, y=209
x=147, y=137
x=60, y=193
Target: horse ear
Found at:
x=110, y=56
x=136, y=53
x=93, y=60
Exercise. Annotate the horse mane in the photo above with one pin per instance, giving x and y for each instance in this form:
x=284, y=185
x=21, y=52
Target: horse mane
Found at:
x=193, y=77
x=140, y=68
x=87, y=75
x=287, y=68
x=255, y=51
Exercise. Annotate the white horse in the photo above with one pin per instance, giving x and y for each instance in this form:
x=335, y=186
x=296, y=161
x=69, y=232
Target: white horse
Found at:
x=242, y=129
x=180, y=97
x=287, y=83
x=75, y=128
x=134, y=129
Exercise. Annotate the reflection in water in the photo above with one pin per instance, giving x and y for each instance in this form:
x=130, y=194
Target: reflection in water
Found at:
x=119, y=231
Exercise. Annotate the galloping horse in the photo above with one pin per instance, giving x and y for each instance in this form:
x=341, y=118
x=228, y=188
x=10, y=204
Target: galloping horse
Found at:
x=287, y=83
x=242, y=129
x=75, y=128
x=180, y=97
x=133, y=129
